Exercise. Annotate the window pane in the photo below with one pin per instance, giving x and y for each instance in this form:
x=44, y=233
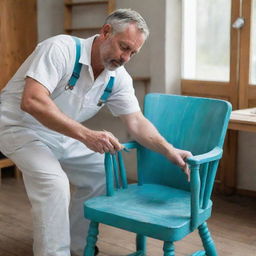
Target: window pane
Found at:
x=206, y=39
x=253, y=46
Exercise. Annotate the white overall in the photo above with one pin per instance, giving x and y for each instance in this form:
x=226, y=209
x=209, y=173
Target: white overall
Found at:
x=49, y=160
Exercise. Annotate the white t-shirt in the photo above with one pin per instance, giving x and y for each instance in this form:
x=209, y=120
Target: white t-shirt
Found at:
x=52, y=64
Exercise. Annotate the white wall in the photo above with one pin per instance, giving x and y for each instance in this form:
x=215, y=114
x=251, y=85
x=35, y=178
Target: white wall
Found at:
x=246, y=161
x=173, y=29
x=50, y=17
x=159, y=59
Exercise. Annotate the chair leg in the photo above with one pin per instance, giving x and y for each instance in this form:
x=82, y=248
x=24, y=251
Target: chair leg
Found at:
x=207, y=240
x=91, y=239
x=141, y=243
x=168, y=249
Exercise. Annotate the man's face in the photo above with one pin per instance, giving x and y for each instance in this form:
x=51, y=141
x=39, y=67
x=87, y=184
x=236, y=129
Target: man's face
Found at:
x=118, y=48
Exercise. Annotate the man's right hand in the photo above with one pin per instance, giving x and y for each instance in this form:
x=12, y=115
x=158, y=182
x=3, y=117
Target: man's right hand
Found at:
x=102, y=141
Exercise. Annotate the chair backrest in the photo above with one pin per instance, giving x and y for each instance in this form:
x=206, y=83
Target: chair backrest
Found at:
x=189, y=123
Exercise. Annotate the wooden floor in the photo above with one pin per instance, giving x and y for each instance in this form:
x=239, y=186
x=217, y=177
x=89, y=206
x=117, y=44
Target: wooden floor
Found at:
x=233, y=227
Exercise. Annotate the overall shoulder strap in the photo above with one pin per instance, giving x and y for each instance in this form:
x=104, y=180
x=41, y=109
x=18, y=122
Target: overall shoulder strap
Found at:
x=76, y=74
x=77, y=67
x=107, y=91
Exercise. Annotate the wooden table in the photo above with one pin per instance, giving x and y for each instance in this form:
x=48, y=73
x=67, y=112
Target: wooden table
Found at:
x=243, y=120
x=240, y=120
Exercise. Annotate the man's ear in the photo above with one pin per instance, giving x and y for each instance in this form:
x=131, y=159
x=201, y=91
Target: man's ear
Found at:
x=106, y=30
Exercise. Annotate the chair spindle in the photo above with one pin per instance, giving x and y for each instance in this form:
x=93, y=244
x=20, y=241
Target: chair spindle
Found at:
x=195, y=190
x=109, y=174
x=210, y=181
x=122, y=170
x=116, y=171
x=204, y=174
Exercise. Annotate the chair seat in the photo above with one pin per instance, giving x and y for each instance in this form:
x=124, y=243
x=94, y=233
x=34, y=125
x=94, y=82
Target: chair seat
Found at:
x=153, y=210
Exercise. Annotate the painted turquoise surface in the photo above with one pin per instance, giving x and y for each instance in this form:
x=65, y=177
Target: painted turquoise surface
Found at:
x=190, y=123
x=146, y=209
x=164, y=205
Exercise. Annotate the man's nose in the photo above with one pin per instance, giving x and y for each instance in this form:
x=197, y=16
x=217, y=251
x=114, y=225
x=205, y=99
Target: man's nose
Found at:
x=125, y=56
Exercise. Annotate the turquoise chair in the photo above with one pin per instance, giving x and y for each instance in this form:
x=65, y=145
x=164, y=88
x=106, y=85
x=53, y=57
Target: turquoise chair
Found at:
x=163, y=204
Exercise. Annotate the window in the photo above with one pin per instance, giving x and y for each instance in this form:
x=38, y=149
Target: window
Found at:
x=220, y=60
x=206, y=34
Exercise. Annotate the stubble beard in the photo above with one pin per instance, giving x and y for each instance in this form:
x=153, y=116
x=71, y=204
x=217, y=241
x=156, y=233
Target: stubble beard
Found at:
x=112, y=64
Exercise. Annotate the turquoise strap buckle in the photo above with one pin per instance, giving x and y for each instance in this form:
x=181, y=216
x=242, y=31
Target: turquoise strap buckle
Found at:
x=107, y=91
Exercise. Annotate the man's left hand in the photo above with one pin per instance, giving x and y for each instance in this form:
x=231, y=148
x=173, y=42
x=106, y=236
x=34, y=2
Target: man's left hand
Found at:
x=178, y=157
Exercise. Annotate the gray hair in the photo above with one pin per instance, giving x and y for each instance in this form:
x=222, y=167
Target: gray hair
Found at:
x=121, y=18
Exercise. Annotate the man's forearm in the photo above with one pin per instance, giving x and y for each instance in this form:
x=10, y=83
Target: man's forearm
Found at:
x=146, y=134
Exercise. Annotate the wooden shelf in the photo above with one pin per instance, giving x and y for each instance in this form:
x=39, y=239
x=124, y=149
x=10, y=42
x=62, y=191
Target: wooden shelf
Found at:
x=69, y=30
x=140, y=78
x=109, y=6
x=69, y=4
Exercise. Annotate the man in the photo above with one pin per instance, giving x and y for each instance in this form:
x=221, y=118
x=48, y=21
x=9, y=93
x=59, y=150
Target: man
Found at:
x=40, y=127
